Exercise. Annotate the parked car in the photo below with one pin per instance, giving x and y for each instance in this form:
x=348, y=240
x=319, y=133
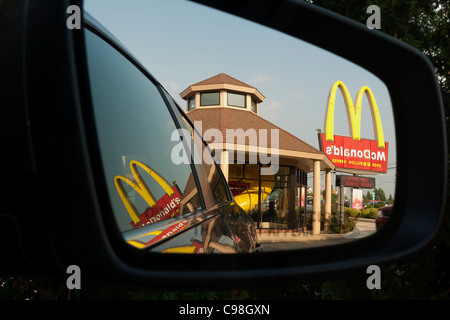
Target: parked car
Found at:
x=132, y=125
x=383, y=215
x=185, y=207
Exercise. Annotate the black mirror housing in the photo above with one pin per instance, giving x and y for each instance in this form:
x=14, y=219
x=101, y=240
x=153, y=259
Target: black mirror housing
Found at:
x=62, y=222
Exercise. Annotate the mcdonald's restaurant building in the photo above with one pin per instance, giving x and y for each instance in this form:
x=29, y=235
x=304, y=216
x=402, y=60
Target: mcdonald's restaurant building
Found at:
x=228, y=108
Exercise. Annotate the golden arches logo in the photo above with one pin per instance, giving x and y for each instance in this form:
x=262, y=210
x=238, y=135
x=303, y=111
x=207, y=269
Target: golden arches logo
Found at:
x=140, y=187
x=353, y=113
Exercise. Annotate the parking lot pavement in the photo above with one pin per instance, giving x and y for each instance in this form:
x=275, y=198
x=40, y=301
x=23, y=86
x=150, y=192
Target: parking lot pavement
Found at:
x=276, y=241
x=280, y=246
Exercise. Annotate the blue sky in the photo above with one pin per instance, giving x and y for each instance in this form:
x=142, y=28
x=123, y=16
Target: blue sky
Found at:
x=182, y=43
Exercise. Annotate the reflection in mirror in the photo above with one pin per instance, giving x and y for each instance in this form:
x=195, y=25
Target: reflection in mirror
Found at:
x=303, y=140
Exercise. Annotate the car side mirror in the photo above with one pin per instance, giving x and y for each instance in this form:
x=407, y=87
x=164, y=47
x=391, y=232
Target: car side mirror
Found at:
x=64, y=222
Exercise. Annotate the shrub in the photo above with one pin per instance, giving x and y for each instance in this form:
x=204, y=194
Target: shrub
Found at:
x=352, y=212
x=309, y=221
x=370, y=213
x=348, y=225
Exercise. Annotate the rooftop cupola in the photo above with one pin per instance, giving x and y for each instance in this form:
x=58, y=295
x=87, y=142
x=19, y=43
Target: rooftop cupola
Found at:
x=222, y=91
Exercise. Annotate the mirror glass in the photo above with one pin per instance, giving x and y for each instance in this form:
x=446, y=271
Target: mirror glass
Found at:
x=303, y=140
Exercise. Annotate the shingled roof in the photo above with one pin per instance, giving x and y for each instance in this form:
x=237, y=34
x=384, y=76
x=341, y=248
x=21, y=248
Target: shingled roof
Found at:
x=228, y=118
x=222, y=78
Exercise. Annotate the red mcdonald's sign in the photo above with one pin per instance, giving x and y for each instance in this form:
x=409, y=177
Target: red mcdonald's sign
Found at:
x=364, y=154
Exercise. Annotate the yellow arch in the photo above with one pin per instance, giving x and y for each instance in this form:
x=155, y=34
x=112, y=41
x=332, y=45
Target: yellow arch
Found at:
x=353, y=113
x=140, y=187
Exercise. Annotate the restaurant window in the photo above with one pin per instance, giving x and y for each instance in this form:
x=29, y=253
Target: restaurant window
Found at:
x=210, y=98
x=191, y=102
x=254, y=106
x=236, y=99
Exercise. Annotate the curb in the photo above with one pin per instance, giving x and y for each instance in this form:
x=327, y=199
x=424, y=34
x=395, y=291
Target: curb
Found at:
x=353, y=234
x=366, y=220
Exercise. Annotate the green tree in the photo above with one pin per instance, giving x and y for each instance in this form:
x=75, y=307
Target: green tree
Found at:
x=380, y=195
x=367, y=197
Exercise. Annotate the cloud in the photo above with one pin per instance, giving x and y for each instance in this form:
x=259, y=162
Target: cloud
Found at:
x=270, y=109
x=170, y=85
x=262, y=78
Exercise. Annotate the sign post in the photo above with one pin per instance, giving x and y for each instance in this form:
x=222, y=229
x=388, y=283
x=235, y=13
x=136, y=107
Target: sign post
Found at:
x=341, y=204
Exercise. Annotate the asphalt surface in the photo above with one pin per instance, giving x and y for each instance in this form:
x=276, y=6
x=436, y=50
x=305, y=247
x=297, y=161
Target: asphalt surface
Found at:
x=276, y=241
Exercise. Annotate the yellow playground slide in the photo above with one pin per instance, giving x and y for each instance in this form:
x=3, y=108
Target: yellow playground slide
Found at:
x=248, y=199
